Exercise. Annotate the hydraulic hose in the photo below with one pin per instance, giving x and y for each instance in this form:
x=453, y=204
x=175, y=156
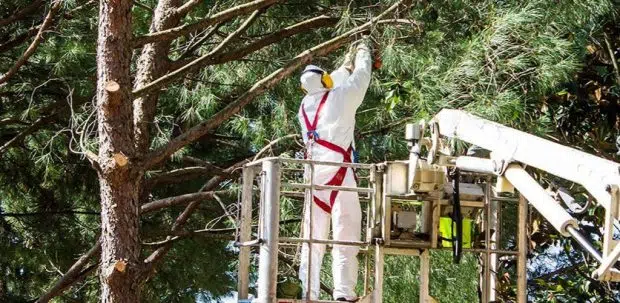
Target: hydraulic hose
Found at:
x=457, y=218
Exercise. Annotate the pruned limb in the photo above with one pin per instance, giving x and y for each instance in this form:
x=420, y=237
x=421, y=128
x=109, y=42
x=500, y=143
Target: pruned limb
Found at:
x=33, y=46
x=73, y=274
x=22, y=13
x=266, y=83
x=228, y=14
x=185, y=69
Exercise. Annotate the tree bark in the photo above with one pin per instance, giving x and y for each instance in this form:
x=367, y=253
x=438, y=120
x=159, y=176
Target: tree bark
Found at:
x=119, y=178
x=152, y=64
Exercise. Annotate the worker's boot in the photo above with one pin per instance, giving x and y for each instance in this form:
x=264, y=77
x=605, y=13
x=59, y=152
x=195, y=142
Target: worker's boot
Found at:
x=347, y=300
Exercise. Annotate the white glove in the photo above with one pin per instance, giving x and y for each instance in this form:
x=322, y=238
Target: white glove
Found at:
x=364, y=44
x=348, y=59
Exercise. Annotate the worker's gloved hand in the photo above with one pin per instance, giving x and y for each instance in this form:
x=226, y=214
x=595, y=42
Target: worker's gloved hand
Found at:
x=364, y=43
x=348, y=59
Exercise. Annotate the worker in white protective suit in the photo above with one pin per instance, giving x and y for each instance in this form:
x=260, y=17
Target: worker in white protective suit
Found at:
x=327, y=118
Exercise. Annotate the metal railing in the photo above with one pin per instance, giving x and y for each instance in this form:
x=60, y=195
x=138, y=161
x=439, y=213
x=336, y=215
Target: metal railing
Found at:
x=268, y=236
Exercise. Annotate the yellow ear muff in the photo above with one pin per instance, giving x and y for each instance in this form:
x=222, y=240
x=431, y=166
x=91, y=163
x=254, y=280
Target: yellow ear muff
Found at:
x=327, y=81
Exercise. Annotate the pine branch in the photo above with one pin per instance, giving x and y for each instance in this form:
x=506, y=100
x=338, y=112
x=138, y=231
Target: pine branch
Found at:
x=272, y=143
x=35, y=29
x=35, y=44
x=266, y=83
x=29, y=130
x=53, y=110
x=225, y=15
x=210, y=231
x=71, y=275
x=176, y=200
x=153, y=260
x=162, y=81
x=179, y=175
x=612, y=58
x=192, y=48
x=22, y=13
x=143, y=6
x=301, y=27
x=188, y=6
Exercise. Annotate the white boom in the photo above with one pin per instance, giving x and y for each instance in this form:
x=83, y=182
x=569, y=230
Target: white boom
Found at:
x=599, y=176
x=594, y=173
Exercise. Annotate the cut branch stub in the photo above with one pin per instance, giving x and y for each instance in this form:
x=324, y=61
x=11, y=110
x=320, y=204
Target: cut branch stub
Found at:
x=120, y=159
x=120, y=265
x=112, y=87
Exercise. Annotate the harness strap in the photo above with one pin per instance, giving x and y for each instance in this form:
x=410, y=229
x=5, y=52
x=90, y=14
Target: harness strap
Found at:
x=338, y=178
x=311, y=127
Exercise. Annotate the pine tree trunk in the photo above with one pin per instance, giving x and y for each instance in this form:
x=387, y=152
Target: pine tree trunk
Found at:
x=119, y=180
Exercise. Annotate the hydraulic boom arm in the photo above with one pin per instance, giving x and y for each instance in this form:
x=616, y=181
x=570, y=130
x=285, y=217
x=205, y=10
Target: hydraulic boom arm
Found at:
x=511, y=149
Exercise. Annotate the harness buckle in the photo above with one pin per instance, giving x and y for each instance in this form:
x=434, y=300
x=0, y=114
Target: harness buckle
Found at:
x=312, y=135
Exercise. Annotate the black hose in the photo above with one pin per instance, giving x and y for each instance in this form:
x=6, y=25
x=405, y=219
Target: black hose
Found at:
x=457, y=218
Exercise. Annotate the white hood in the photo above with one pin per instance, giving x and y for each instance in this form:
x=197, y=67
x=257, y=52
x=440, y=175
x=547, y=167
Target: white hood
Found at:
x=311, y=82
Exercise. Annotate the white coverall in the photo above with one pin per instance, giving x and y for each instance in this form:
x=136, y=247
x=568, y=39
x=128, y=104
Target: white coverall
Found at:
x=335, y=124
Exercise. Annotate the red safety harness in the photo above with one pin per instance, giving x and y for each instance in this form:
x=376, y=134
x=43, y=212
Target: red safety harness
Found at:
x=338, y=178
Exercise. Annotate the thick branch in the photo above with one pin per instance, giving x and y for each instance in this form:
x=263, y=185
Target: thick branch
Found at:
x=228, y=14
x=176, y=200
x=183, y=70
x=33, y=46
x=22, y=13
x=266, y=83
